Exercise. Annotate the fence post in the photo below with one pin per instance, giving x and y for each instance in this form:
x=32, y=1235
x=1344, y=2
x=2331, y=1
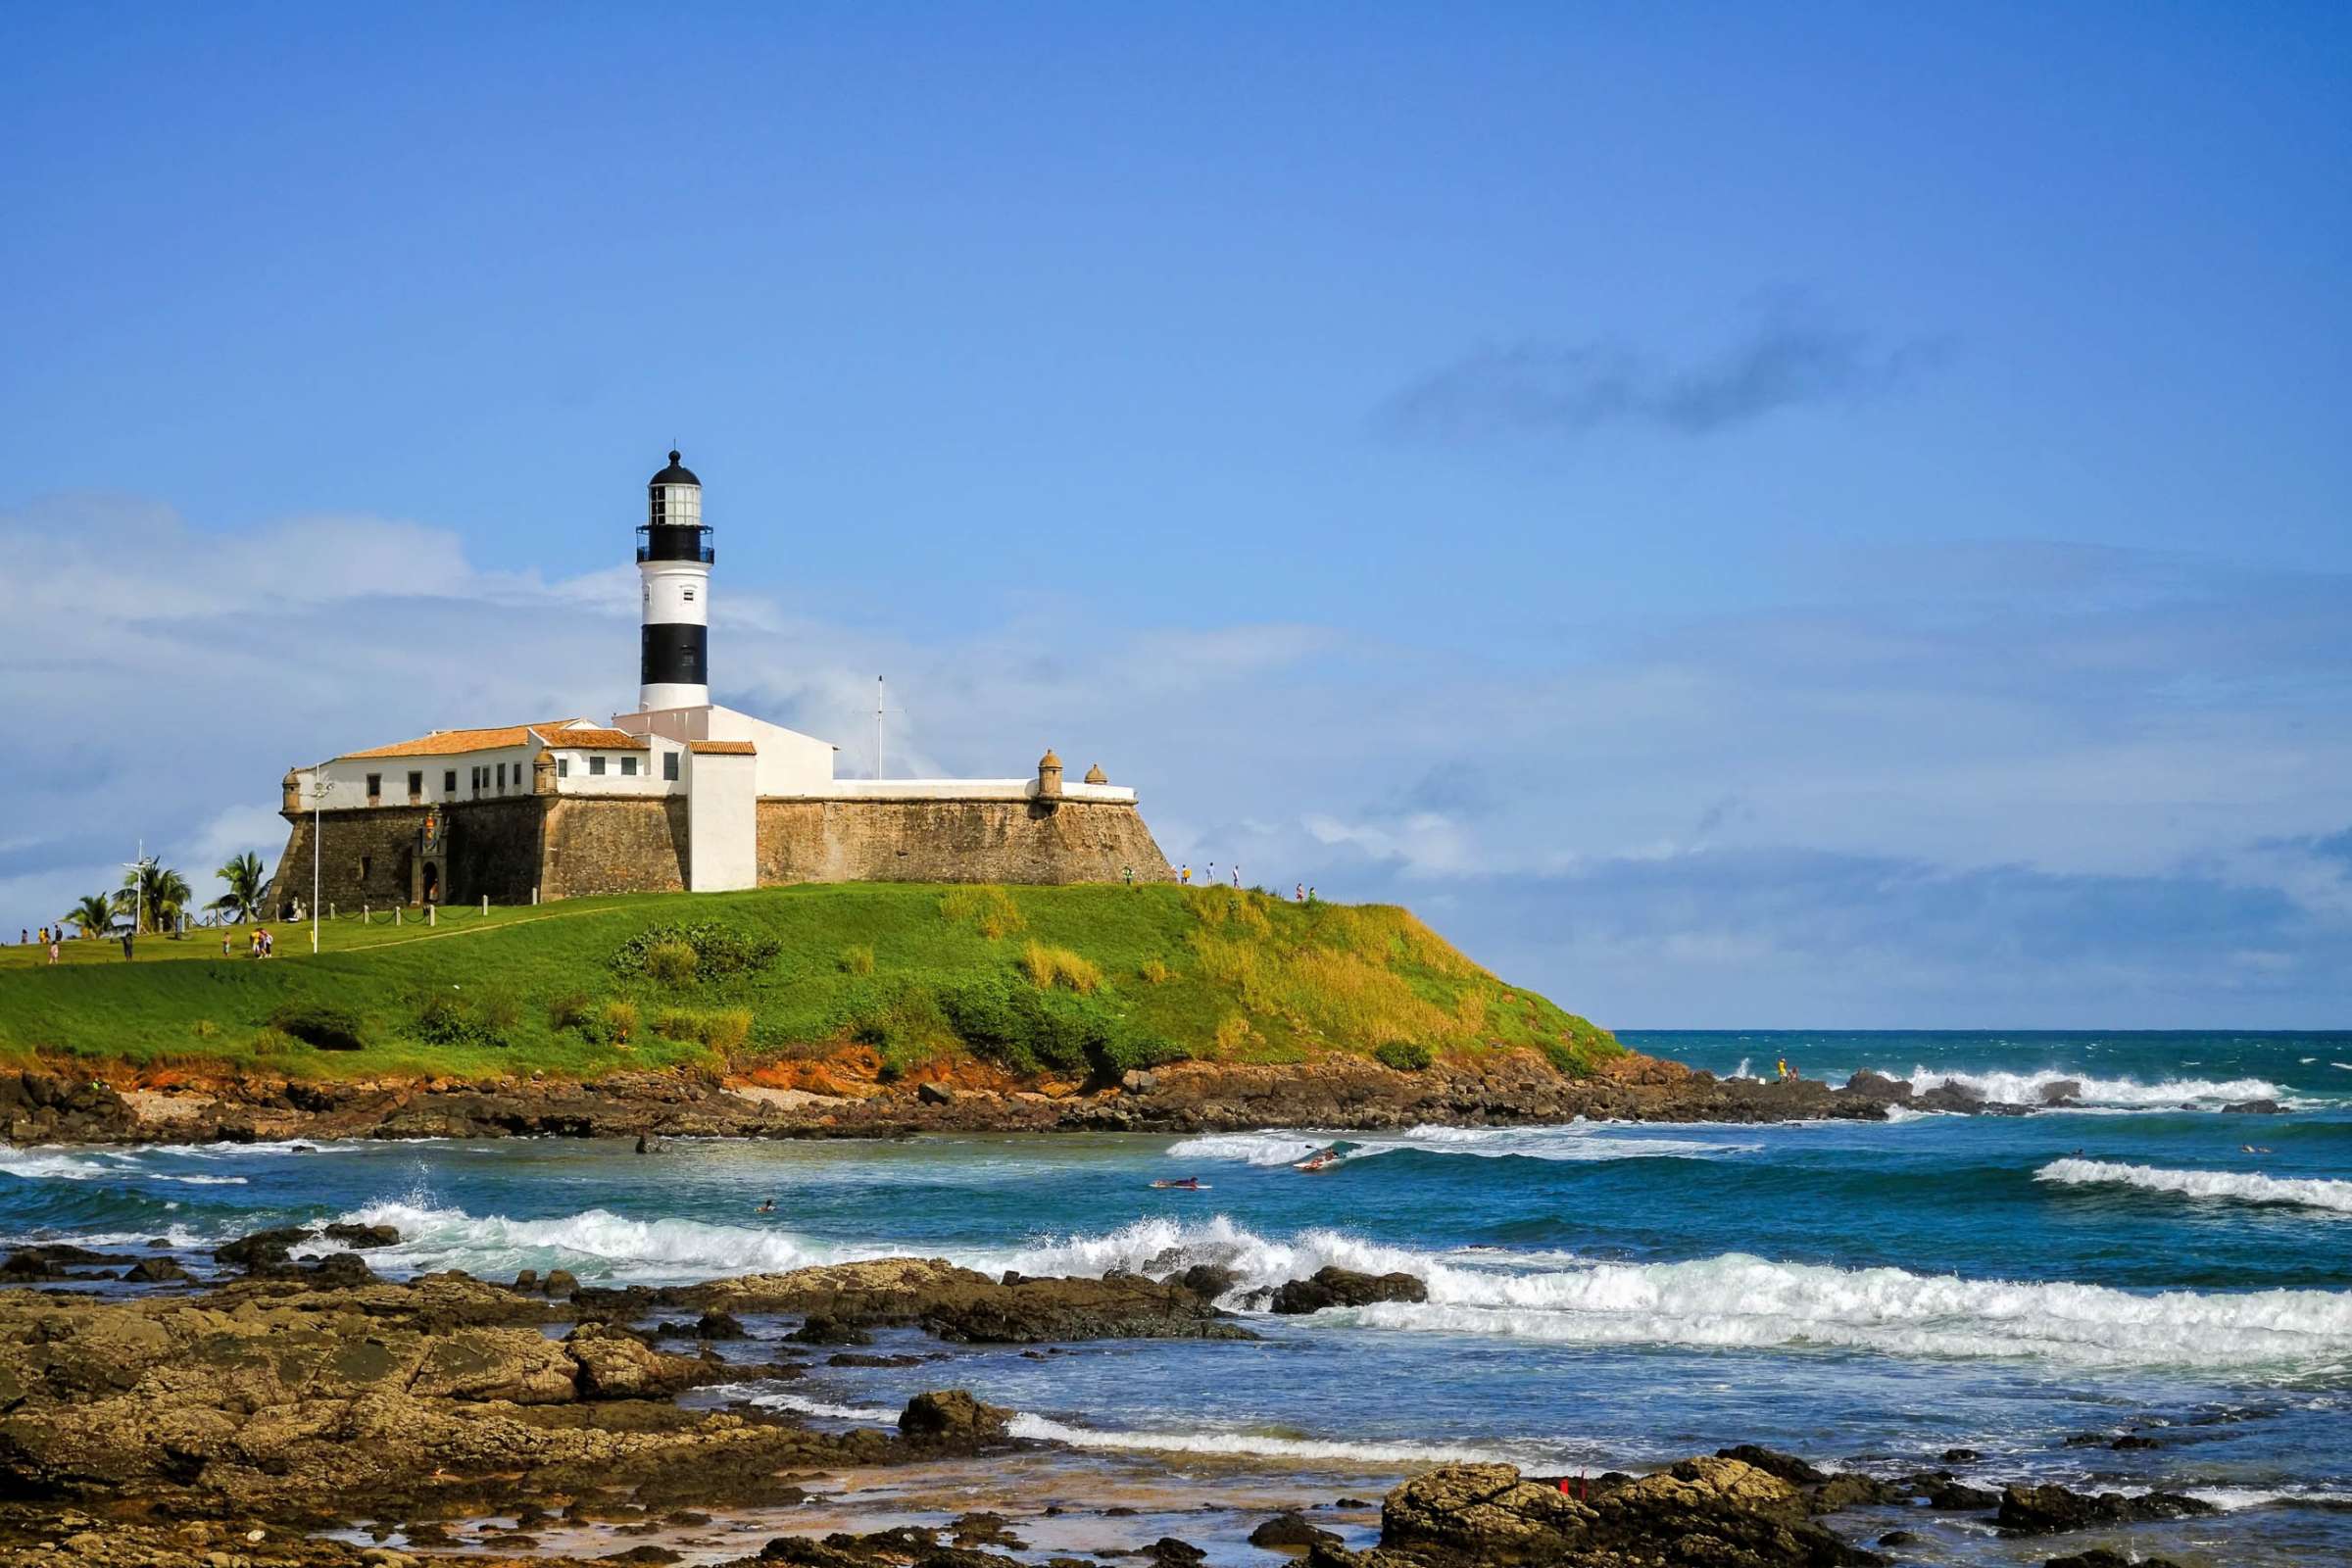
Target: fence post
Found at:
x=396, y=915
x=363, y=913
x=485, y=904
x=429, y=911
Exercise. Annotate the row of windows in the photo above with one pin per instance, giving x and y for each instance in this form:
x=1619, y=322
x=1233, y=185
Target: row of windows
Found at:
x=492, y=777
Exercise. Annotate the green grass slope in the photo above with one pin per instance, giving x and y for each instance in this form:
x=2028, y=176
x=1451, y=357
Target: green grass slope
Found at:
x=1066, y=981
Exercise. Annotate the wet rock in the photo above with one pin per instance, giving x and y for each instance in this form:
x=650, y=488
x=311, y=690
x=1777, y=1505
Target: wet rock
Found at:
x=562, y=1283
x=341, y=1270
x=1483, y=1511
x=953, y=1415
x=1878, y=1089
x=1950, y=1095
x=527, y=1283
x=262, y=1252
x=363, y=1235
x=2062, y=1090
x=2047, y=1510
x=1209, y=1281
x=1290, y=1530
x=652, y=1557
x=2133, y=1440
x=854, y=1358
x=1331, y=1286
x=1960, y=1457
x=1746, y=1516
x=1954, y=1497
x=824, y=1329
x=27, y=1265
x=935, y=1094
x=1900, y=1538
x=2101, y=1557
x=2254, y=1107
x=1139, y=1081
x=1169, y=1552
x=719, y=1326
x=156, y=1270
x=1847, y=1490
x=1787, y=1466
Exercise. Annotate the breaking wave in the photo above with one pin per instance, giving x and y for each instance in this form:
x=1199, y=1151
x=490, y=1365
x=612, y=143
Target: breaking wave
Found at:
x=2245, y=1187
x=1575, y=1142
x=595, y=1243
x=1256, y=1445
x=1735, y=1300
x=2117, y=1093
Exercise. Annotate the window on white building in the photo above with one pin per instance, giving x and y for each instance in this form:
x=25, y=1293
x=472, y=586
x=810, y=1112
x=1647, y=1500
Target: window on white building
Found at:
x=449, y=782
x=669, y=765
x=629, y=766
x=563, y=767
x=596, y=764
x=375, y=788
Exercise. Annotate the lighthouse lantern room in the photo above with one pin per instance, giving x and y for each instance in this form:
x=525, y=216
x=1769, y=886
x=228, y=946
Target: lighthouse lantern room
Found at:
x=673, y=559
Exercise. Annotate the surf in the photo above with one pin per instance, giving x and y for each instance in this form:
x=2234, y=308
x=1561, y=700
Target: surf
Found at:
x=2245, y=1187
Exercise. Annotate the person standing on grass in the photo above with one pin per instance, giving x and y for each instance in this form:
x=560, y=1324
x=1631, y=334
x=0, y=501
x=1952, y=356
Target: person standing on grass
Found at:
x=225, y=943
x=1237, y=877
x=53, y=945
x=1211, y=878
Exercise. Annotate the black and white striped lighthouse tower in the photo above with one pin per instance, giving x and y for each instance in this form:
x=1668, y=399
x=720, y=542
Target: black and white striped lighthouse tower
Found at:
x=673, y=557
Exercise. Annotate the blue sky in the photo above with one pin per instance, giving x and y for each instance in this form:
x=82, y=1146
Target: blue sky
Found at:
x=1810, y=516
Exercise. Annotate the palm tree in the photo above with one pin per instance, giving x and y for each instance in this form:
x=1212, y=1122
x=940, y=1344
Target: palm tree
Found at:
x=154, y=894
x=247, y=881
x=93, y=914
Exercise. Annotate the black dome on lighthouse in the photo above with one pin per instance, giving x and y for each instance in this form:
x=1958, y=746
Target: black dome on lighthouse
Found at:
x=676, y=473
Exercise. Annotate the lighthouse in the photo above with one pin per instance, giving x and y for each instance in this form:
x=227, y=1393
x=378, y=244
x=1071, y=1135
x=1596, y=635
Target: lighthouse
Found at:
x=673, y=562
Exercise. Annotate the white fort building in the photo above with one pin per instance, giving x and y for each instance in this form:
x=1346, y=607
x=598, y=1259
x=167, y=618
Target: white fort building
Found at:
x=680, y=795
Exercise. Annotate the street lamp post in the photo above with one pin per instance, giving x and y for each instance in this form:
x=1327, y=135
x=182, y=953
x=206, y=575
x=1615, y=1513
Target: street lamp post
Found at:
x=139, y=890
x=319, y=785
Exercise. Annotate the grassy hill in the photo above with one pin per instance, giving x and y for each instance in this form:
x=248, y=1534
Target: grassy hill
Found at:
x=1067, y=981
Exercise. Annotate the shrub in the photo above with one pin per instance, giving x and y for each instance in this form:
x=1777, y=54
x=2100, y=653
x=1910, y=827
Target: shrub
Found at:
x=729, y=1030
x=1129, y=1050
x=203, y=1028
x=617, y=1022
x=450, y=1018
x=1155, y=972
x=896, y=1016
x=572, y=1009
x=858, y=959
x=989, y=909
x=1232, y=1032
x=321, y=1025
x=1404, y=1056
x=499, y=1011
x=1048, y=967
x=674, y=1025
x=1568, y=1057
x=718, y=950
x=272, y=1043
x=671, y=964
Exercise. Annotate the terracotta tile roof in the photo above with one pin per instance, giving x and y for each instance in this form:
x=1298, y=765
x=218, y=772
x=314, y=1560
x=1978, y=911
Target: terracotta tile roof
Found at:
x=723, y=748
x=456, y=742
x=596, y=740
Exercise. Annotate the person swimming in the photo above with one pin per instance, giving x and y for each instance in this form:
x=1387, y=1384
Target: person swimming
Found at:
x=768, y=1207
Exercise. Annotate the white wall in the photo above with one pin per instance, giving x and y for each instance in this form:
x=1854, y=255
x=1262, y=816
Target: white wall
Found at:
x=788, y=763
x=349, y=777
x=576, y=778
x=722, y=822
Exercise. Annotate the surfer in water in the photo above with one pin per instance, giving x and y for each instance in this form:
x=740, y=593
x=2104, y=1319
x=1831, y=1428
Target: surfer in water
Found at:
x=1187, y=1184
x=768, y=1207
x=1328, y=1154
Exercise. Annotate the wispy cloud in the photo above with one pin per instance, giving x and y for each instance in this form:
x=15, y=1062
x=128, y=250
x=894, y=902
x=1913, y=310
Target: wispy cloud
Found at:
x=1564, y=389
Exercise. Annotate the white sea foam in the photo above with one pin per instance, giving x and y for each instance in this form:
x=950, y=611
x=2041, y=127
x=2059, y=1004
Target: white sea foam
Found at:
x=595, y=1243
x=1257, y=1445
x=801, y=1405
x=1580, y=1141
x=2246, y=1187
x=55, y=1165
x=2121, y=1094
x=1735, y=1300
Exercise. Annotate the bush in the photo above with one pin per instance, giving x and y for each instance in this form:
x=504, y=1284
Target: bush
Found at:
x=1032, y=1031
x=989, y=909
x=727, y=1031
x=570, y=1010
x=203, y=1028
x=453, y=1018
x=1404, y=1055
x=858, y=959
x=674, y=1025
x=321, y=1025
x=1128, y=1050
x=1155, y=972
x=1048, y=967
x=1232, y=1032
x=718, y=950
x=273, y=1043
x=1568, y=1060
x=615, y=1021
x=671, y=964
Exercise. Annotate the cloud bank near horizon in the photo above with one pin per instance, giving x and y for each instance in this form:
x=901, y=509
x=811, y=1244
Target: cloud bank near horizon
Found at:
x=2002, y=784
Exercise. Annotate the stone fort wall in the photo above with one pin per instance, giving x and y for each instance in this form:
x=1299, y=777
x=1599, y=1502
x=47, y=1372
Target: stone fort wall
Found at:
x=577, y=847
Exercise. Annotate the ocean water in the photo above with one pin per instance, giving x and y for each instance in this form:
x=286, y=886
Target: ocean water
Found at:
x=1600, y=1295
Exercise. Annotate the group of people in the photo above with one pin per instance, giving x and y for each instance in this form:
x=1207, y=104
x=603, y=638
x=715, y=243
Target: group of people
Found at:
x=258, y=943
x=1302, y=894
x=51, y=936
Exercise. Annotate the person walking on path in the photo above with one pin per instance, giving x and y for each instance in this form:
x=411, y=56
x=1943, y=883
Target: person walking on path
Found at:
x=1298, y=893
x=53, y=945
x=1237, y=877
x=127, y=935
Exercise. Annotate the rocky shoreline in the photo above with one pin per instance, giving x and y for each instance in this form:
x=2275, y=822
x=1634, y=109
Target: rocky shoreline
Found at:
x=845, y=1097
x=147, y=1416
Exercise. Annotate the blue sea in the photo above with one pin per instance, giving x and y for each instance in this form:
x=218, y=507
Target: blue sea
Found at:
x=1602, y=1296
